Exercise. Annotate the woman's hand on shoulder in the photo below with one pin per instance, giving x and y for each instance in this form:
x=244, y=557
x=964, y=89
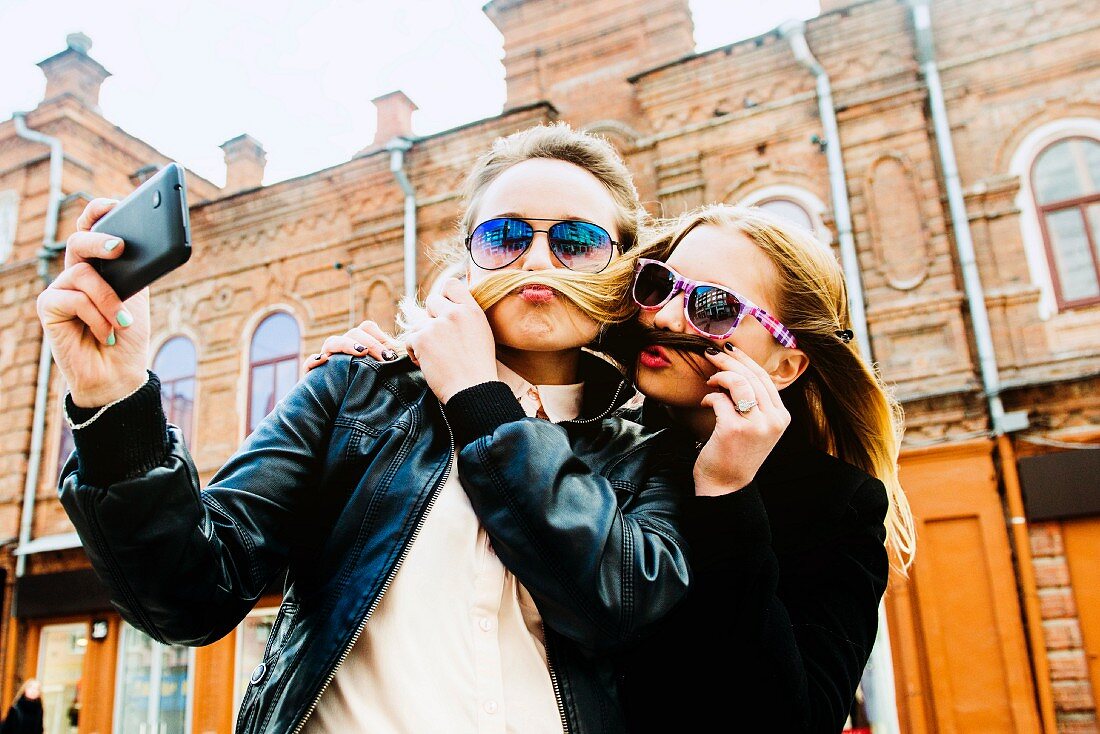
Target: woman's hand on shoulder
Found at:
x=742, y=439
x=367, y=338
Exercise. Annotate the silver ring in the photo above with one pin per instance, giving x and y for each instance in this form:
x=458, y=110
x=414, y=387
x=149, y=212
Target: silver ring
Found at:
x=744, y=406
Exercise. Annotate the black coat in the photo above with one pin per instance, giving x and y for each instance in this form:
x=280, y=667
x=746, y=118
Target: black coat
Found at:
x=24, y=717
x=783, y=608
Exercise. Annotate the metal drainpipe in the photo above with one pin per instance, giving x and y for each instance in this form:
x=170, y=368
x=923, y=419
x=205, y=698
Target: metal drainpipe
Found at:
x=397, y=148
x=926, y=55
x=795, y=33
x=45, y=361
x=878, y=678
x=975, y=296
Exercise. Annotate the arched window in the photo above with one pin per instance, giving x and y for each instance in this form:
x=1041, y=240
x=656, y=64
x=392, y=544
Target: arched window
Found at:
x=65, y=444
x=272, y=365
x=790, y=210
x=175, y=366
x=794, y=204
x=9, y=217
x=1065, y=180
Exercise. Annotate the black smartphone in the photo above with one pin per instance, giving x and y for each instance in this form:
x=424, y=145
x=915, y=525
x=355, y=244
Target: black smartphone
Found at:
x=155, y=226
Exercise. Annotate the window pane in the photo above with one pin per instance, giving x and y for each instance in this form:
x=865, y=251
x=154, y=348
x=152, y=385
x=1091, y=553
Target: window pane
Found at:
x=1094, y=228
x=153, y=686
x=1068, y=169
x=65, y=443
x=1076, y=270
x=287, y=375
x=790, y=211
x=133, y=681
x=173, y=691
x=276, y=337
x=179, y=409
x=60, y=665
x=251, y=640
x=263, y=394
x=175, y=360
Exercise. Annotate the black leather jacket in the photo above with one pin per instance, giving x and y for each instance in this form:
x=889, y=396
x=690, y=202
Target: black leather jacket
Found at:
x=332, y=489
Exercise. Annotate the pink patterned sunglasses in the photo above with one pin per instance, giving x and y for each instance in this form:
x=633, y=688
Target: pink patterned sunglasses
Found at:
x=712, y=310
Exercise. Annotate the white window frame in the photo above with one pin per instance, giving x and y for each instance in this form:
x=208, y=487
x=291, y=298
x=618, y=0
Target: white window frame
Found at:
x=814, y=206
x=1035, y=247
x=9, y=222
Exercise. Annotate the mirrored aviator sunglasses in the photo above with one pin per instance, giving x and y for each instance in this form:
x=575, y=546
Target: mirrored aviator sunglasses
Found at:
x=580, y=246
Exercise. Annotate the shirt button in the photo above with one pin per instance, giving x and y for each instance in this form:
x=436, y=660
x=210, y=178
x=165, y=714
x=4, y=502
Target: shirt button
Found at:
x=490, y=707
x=486, y=624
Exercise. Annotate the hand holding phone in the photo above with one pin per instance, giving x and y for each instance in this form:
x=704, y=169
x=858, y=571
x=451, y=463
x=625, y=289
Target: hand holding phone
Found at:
x=101, y=345
x=154, y=223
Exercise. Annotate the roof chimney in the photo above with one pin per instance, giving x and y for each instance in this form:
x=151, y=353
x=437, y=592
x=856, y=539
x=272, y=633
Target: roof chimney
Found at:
x=394, y=117
x=245, y=159
x=579, y=54
x=74, y=72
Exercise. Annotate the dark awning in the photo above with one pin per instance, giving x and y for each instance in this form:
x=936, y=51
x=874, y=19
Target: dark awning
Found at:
x=1061, y=485
x=59, y=594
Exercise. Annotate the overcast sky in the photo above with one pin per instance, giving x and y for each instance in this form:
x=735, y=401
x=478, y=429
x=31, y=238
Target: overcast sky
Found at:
x=298, y=76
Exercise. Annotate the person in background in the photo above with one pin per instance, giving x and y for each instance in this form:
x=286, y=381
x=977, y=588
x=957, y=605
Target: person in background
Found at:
x=25, y=714
x=742, y=340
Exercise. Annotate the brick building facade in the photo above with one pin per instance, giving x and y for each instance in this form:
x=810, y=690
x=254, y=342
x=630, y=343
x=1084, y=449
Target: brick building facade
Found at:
x=998, y=627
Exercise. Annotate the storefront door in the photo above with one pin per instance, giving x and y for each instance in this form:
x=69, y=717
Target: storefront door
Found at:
x=61, y=654
x=154, y=686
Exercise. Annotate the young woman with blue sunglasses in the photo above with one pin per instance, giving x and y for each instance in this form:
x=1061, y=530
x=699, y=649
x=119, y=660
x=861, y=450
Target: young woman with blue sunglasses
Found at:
x=412, y=602
x=742, y=340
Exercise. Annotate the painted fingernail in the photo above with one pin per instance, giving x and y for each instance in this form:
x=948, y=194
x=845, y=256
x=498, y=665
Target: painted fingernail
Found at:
x=111, y=244
x=318, y=356
x=389, y=355
x=358, y=347
x=111, y=339
x=729, y=347
x=712, y=350
x=124, y=318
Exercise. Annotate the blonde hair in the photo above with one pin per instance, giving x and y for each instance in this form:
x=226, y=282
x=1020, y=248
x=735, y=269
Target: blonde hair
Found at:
x=23, y=689
x=602, y=297
x=840, y=401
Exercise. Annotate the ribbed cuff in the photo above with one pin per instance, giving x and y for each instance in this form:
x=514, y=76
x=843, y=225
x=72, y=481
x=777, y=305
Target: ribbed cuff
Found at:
x=718, y=528
x=128, y=440
x=479, y=410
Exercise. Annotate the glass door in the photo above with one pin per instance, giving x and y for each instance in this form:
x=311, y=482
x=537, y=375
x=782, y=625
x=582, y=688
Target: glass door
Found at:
x=61, y=650
x=252, y=635
x=154, y=686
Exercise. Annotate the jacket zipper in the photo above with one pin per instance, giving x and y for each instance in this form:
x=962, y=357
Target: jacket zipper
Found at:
x=546, y=637
x=601, y=416
x=389, y=578
x=554, y=680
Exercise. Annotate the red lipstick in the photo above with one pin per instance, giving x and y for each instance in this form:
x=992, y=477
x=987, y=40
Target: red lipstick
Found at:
x=654, y=357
